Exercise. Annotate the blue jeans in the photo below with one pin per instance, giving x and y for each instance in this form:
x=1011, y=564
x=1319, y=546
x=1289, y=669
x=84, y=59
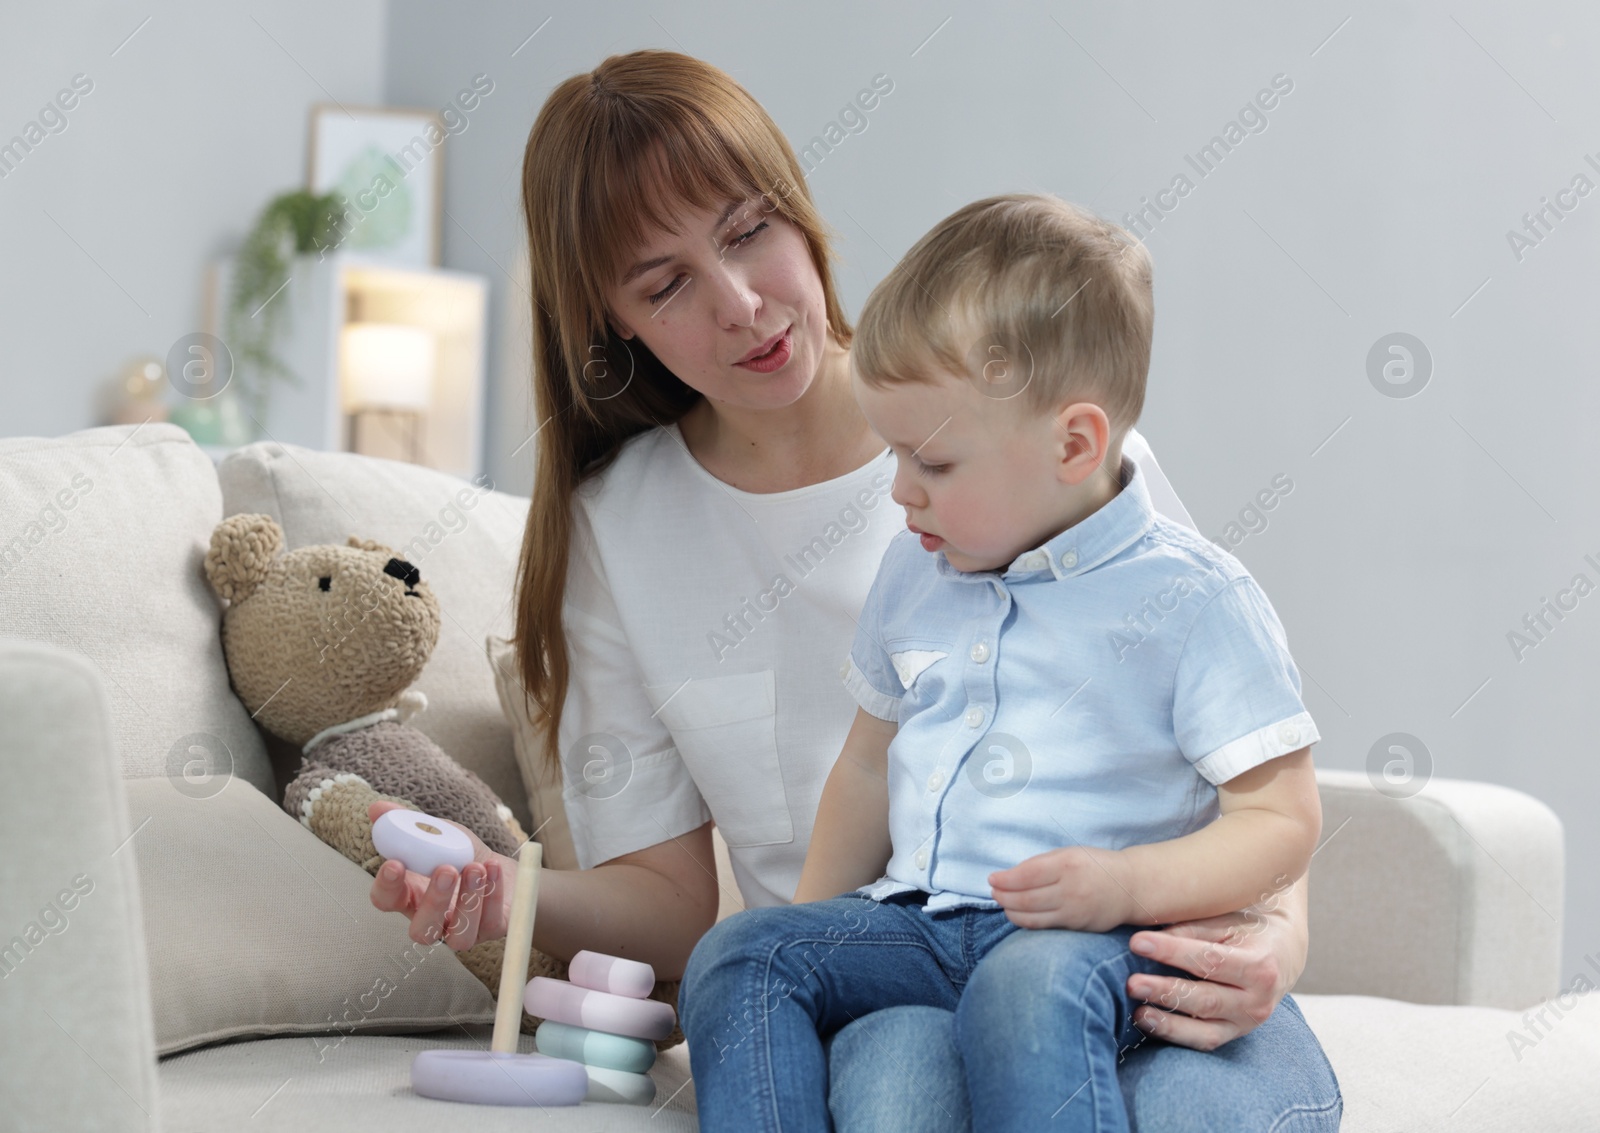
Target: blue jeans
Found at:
x=778, y=1007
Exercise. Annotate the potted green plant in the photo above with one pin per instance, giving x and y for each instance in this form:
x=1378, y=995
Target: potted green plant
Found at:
x=294, y=223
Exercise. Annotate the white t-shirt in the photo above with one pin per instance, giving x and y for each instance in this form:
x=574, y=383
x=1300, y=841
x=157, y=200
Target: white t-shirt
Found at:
x=709, y=630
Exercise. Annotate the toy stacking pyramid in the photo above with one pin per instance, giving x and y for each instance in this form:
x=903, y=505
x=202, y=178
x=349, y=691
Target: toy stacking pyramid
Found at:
x=602, y=1016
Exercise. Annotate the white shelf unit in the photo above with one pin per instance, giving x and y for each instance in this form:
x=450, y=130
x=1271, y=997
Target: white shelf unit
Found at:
x=323, y=295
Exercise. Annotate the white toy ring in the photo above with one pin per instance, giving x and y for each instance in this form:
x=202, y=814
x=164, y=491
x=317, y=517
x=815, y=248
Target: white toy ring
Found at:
x=420, y=841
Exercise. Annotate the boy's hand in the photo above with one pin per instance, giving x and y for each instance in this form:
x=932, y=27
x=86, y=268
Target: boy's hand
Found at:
x=1077, y=887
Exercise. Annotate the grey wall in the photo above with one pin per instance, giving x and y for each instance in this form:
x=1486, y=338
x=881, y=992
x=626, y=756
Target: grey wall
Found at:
x=192, y=125
x=1419, y=530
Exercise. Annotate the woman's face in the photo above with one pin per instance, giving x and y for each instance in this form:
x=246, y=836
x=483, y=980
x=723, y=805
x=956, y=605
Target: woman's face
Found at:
x=710, y=297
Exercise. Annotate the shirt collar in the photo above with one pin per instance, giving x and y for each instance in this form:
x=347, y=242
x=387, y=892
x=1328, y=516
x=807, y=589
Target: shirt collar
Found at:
x=1087, y=543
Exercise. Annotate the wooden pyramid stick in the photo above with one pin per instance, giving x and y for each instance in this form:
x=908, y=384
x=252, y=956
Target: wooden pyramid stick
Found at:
x=519, y=943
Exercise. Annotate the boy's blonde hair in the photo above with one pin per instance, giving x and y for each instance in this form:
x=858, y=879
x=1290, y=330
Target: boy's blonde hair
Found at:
x=1028, y=295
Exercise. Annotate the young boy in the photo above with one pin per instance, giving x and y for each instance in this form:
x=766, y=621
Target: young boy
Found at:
x=1076, y=716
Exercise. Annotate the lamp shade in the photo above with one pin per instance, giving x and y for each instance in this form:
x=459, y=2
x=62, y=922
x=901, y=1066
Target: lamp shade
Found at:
x=386, y=366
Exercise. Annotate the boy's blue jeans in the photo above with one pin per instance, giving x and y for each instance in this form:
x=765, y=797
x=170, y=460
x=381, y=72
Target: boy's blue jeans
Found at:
x=1036, y=1044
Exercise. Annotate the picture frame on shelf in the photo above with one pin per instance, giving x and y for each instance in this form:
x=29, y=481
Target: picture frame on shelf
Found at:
x=387, y=163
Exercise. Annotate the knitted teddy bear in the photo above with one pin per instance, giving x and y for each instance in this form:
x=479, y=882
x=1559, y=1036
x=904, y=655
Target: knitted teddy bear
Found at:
x=322, y=644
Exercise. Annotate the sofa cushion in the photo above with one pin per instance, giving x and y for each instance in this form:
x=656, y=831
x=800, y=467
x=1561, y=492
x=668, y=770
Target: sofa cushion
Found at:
x=1462, y=1069
x=1400, y=1066
x=463, y=536
x=103, y=534
x=279, y=1084
x=254, y=927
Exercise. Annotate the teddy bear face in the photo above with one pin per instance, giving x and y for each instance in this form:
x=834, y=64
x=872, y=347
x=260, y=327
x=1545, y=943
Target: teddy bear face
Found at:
x=322, y=634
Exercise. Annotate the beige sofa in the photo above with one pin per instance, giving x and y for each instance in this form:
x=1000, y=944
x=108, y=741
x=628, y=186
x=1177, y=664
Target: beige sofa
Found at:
x=177, y=953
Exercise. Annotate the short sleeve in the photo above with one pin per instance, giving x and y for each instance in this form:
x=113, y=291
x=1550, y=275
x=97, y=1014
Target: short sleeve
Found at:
x=1236, y=696
x=625, y=786
x=869, y=673
x=1163, y=497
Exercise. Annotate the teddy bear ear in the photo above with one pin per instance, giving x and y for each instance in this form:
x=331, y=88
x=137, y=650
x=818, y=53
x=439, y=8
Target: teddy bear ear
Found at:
x=361, y=544
x=242, y=550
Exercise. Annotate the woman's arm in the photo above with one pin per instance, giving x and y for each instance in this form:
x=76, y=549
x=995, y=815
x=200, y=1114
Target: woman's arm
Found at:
x=650, y=905
x=651, y=890
x=1244, y=963
x=850, y=841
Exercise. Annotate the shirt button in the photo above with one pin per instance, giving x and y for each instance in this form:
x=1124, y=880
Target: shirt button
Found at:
x=922, y=859
x=1069, y=559
x=1288, y=733
x=936, y=780
x=974, y=716
x=980, y=653
x=1033, y=560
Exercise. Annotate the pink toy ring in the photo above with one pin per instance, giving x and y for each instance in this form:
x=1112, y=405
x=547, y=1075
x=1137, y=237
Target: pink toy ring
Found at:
x=599, y=972
x=598, y=1010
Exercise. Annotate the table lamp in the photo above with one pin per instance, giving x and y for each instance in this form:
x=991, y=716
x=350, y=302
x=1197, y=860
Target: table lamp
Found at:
x=387, y=368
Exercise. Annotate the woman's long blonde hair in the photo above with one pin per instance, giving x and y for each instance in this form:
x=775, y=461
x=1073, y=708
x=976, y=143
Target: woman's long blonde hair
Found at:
x=613, y=155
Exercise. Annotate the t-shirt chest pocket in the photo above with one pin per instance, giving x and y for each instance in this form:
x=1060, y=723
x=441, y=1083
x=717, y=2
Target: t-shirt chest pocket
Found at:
x=725, y=729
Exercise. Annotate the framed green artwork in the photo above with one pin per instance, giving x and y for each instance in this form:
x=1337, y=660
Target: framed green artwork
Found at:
x=387, y=166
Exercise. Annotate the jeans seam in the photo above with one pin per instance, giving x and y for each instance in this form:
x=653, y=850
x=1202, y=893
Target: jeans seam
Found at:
x=1094, y=1091
x=1295, y=1112
x=769, y=1098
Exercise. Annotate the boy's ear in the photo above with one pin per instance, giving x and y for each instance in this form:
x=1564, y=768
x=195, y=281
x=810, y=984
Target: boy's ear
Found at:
x=1084, y=433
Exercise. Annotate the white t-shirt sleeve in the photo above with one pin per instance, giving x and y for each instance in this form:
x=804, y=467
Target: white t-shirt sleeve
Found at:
x=625, y=786
x=1163, y=497
x=870, y=674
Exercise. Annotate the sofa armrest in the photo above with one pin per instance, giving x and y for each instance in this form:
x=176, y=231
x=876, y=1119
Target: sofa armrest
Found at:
x=1453, y=895
x=77, y=1042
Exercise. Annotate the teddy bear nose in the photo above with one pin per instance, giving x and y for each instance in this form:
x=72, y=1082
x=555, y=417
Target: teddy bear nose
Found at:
x=404, y=571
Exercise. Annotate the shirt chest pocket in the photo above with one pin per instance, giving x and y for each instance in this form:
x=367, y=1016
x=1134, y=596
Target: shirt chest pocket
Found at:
x=725, y=729
x=920, y=664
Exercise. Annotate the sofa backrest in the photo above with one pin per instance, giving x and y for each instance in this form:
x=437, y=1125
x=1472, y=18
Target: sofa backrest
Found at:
x=1450, y=895
x=102, y=536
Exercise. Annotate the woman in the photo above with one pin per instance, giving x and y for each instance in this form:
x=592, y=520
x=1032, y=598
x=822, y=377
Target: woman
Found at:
x=699, y=442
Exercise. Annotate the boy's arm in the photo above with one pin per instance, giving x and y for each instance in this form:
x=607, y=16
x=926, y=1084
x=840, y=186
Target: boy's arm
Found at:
x=850, y=841
x=1270, y=822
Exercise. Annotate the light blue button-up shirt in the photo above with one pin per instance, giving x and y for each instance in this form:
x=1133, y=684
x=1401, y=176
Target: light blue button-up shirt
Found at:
x=1093, y=692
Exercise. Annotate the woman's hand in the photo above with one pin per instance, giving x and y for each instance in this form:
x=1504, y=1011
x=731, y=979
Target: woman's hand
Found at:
x=483, y=911
x=1246, y=962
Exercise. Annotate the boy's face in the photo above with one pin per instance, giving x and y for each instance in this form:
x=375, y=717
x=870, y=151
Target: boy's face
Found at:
x=984, y=479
